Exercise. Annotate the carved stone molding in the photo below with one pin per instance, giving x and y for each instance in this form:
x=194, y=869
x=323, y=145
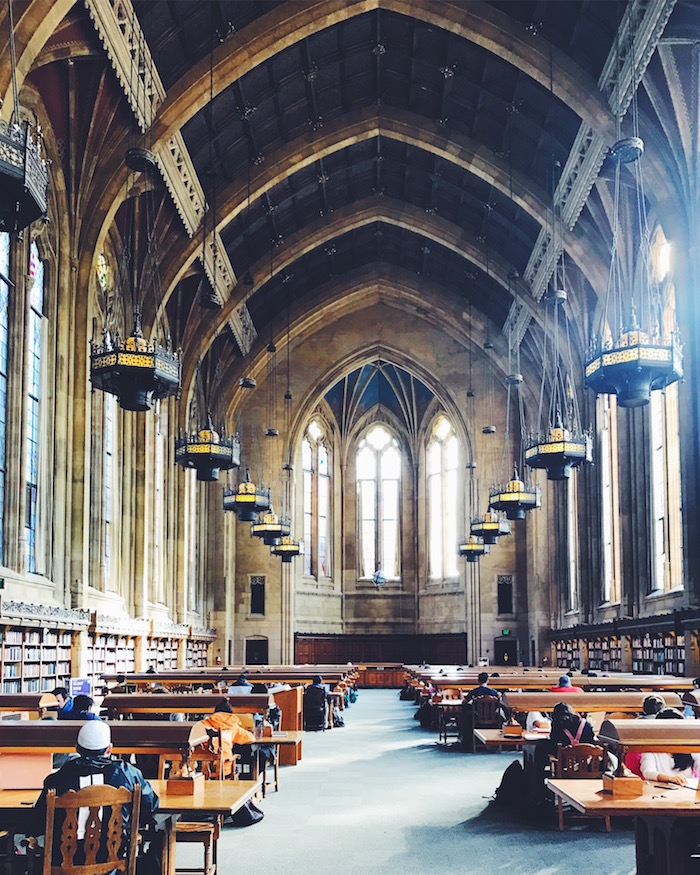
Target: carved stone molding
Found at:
x=201, y=634
x=64, y=618
x=164, y=629
x=118, y=625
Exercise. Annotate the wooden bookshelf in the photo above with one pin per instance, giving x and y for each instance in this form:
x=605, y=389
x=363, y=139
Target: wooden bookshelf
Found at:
x=658, y=653
x=109, y=653
x=162, y=653
x=568, y=653
x=605, y=654
x=34, y=660
x=196, y=655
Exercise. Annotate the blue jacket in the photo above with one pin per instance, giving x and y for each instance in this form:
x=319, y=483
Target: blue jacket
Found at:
x=66, y=712
x=116, y=773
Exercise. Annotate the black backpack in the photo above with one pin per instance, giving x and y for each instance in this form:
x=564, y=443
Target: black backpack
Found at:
x=511, y=792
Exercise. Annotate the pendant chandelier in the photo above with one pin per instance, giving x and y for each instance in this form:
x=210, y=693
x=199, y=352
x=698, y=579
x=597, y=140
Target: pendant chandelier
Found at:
x=24, y=172
x=490, y=526
x=515, y=497
x=202, y=447
x=559, y=443
x=247, y=500
x=139, y=372
x=269, y=528
x=287, y=547
x=631, y=353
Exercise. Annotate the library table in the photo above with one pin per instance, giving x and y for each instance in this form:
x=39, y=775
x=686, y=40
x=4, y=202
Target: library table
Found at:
x=664, y=834
x=117, y=704
x=171, y=741
x=217, y=798
x=533, y=682
x=630, y=703
x=653, y=736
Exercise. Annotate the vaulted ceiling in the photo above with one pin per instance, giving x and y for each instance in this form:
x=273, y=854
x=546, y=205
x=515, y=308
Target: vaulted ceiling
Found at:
x=340, y=140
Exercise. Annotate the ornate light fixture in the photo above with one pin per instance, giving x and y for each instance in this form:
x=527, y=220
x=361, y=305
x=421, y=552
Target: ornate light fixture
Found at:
x=202, y=447
x=24, y=172
x=490, y=527
x=517, y=496
x=630, y=353
x=473, y=548
x=207, y=452
x=287, y=547
x=247, y=500
x=560, y=443
x=137, y=371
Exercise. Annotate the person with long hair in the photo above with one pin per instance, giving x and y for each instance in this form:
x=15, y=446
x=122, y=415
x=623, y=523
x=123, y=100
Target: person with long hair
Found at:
x=666, y=768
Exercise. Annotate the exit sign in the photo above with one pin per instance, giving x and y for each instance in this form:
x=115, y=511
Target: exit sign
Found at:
x=505, y=631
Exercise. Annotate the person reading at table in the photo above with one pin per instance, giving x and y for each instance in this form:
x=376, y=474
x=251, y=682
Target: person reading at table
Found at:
x=234, y=738
x=94, y=765
x=569, y=728
x=482, y=690
x=65, y=703
x=565, y=686
x=667, y=768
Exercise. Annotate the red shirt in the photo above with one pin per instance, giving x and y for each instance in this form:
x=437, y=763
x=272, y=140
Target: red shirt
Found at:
x=568, y=689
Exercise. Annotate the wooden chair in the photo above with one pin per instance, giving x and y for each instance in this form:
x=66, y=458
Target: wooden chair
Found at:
x=204, y=832
x=449, y=716
x=580, y=761
x=486, y=713
x=97, y=811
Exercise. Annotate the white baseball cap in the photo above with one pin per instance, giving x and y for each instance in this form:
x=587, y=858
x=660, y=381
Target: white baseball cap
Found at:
x=94, y=735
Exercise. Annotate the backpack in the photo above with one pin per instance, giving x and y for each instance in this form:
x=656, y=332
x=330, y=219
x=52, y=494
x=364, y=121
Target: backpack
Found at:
x=338, y=719
x=511, y=791
x=247, y=815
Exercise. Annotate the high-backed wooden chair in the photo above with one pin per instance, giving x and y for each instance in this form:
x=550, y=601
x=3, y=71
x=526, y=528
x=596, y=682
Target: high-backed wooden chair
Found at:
x=486, y=712
x=580, y=761
x=449, y=715
x=84, y=826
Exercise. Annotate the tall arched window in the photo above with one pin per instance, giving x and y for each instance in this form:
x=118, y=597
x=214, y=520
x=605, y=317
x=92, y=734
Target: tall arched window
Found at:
x=317, y=491
x=572, y=541
x=34, y=386
x=442, y=463
x=606, y=417
x=159, y=506
x=378, y=466
x=666, y=510
x=4, y=328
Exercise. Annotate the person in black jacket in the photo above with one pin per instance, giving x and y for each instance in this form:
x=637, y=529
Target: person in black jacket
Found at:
x=315, y=704
x=93, y=765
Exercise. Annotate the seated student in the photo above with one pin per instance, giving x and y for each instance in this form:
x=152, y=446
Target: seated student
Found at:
x=569, y=728
x=482, y=690
x=241, y=686
x=315, y=703
x=234, y=738
x=536, y=720
x=82, y=708
x=565, y=686
x=93, y=765
x=667, y=768
x=65, y=703
x=651, y=706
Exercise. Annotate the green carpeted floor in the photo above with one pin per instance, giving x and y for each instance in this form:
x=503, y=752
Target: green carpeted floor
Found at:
x=381, y=796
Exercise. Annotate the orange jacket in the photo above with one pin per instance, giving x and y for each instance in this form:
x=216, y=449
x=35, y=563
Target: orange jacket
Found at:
x=231, y=730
